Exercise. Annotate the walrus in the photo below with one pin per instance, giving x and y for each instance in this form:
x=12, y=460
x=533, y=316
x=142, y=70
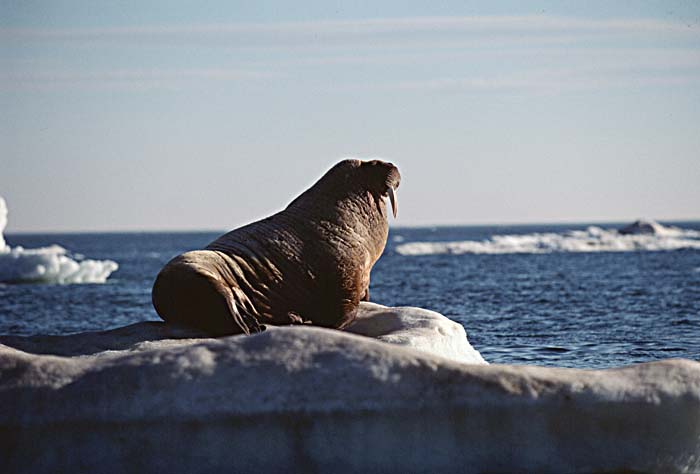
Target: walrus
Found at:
x=308, y=264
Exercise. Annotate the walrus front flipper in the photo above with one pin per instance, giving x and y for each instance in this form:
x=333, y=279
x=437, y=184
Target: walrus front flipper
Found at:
x=365, y=296
x=185, y=296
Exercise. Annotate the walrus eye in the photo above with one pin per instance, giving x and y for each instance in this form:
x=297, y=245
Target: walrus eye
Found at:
x=392, y=198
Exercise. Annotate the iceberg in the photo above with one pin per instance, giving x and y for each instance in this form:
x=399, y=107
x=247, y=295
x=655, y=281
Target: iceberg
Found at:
x=640, y=236
x=647, y=226
x=157, y=398
x=50, y=264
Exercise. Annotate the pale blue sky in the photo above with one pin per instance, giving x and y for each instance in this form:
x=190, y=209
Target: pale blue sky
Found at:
x=207, y=115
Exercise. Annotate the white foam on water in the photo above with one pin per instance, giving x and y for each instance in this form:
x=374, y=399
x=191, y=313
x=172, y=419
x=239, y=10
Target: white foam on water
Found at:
x=50, y=264
x=593, y=239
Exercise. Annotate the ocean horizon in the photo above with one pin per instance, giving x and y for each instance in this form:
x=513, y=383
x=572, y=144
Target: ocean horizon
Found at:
x=615, y=223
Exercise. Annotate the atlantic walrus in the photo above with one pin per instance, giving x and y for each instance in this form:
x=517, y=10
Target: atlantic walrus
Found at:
x=309, y=263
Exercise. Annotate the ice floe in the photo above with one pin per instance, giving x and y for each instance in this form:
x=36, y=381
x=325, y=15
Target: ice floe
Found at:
x=308, y=399
x=52, y=264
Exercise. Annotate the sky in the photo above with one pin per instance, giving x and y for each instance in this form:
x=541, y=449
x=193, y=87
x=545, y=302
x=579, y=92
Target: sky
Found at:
x=166, y=115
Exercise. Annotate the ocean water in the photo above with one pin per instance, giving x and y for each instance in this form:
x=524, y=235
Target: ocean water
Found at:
x=569, y=296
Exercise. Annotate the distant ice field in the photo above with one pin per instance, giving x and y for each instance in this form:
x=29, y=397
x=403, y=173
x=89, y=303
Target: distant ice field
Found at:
x=525, y=294
x=592, y=239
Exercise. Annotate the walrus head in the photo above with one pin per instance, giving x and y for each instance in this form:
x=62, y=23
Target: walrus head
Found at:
x=354, y=180
x=383, y=179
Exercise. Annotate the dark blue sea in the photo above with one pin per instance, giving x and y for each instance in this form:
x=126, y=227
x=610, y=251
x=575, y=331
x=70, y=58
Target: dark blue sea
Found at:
x=565, y=295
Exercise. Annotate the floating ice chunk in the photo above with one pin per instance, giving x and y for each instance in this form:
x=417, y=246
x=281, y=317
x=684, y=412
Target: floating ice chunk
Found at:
x=50, y=264
x=635, y=237
x=645, y=226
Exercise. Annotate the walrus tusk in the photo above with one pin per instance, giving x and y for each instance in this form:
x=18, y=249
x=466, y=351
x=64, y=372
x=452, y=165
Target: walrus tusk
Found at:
x=392, y=198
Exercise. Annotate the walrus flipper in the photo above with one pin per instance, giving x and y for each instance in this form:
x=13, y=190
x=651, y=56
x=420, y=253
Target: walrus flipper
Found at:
x=185, y=296
x=333, y=307
x=365, y=296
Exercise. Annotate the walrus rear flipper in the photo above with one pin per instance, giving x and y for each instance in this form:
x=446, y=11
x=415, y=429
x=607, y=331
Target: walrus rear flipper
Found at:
x=190, y=298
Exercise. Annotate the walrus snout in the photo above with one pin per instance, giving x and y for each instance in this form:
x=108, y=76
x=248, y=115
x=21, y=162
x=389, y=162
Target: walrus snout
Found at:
x=386, y=179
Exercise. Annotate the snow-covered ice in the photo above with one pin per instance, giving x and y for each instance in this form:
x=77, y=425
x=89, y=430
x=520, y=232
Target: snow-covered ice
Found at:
x=308, y=399
x=51, y=264
x=417, y=328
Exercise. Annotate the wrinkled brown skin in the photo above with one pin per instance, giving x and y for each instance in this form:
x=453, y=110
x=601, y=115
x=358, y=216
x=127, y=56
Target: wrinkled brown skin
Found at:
x=309, y=263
